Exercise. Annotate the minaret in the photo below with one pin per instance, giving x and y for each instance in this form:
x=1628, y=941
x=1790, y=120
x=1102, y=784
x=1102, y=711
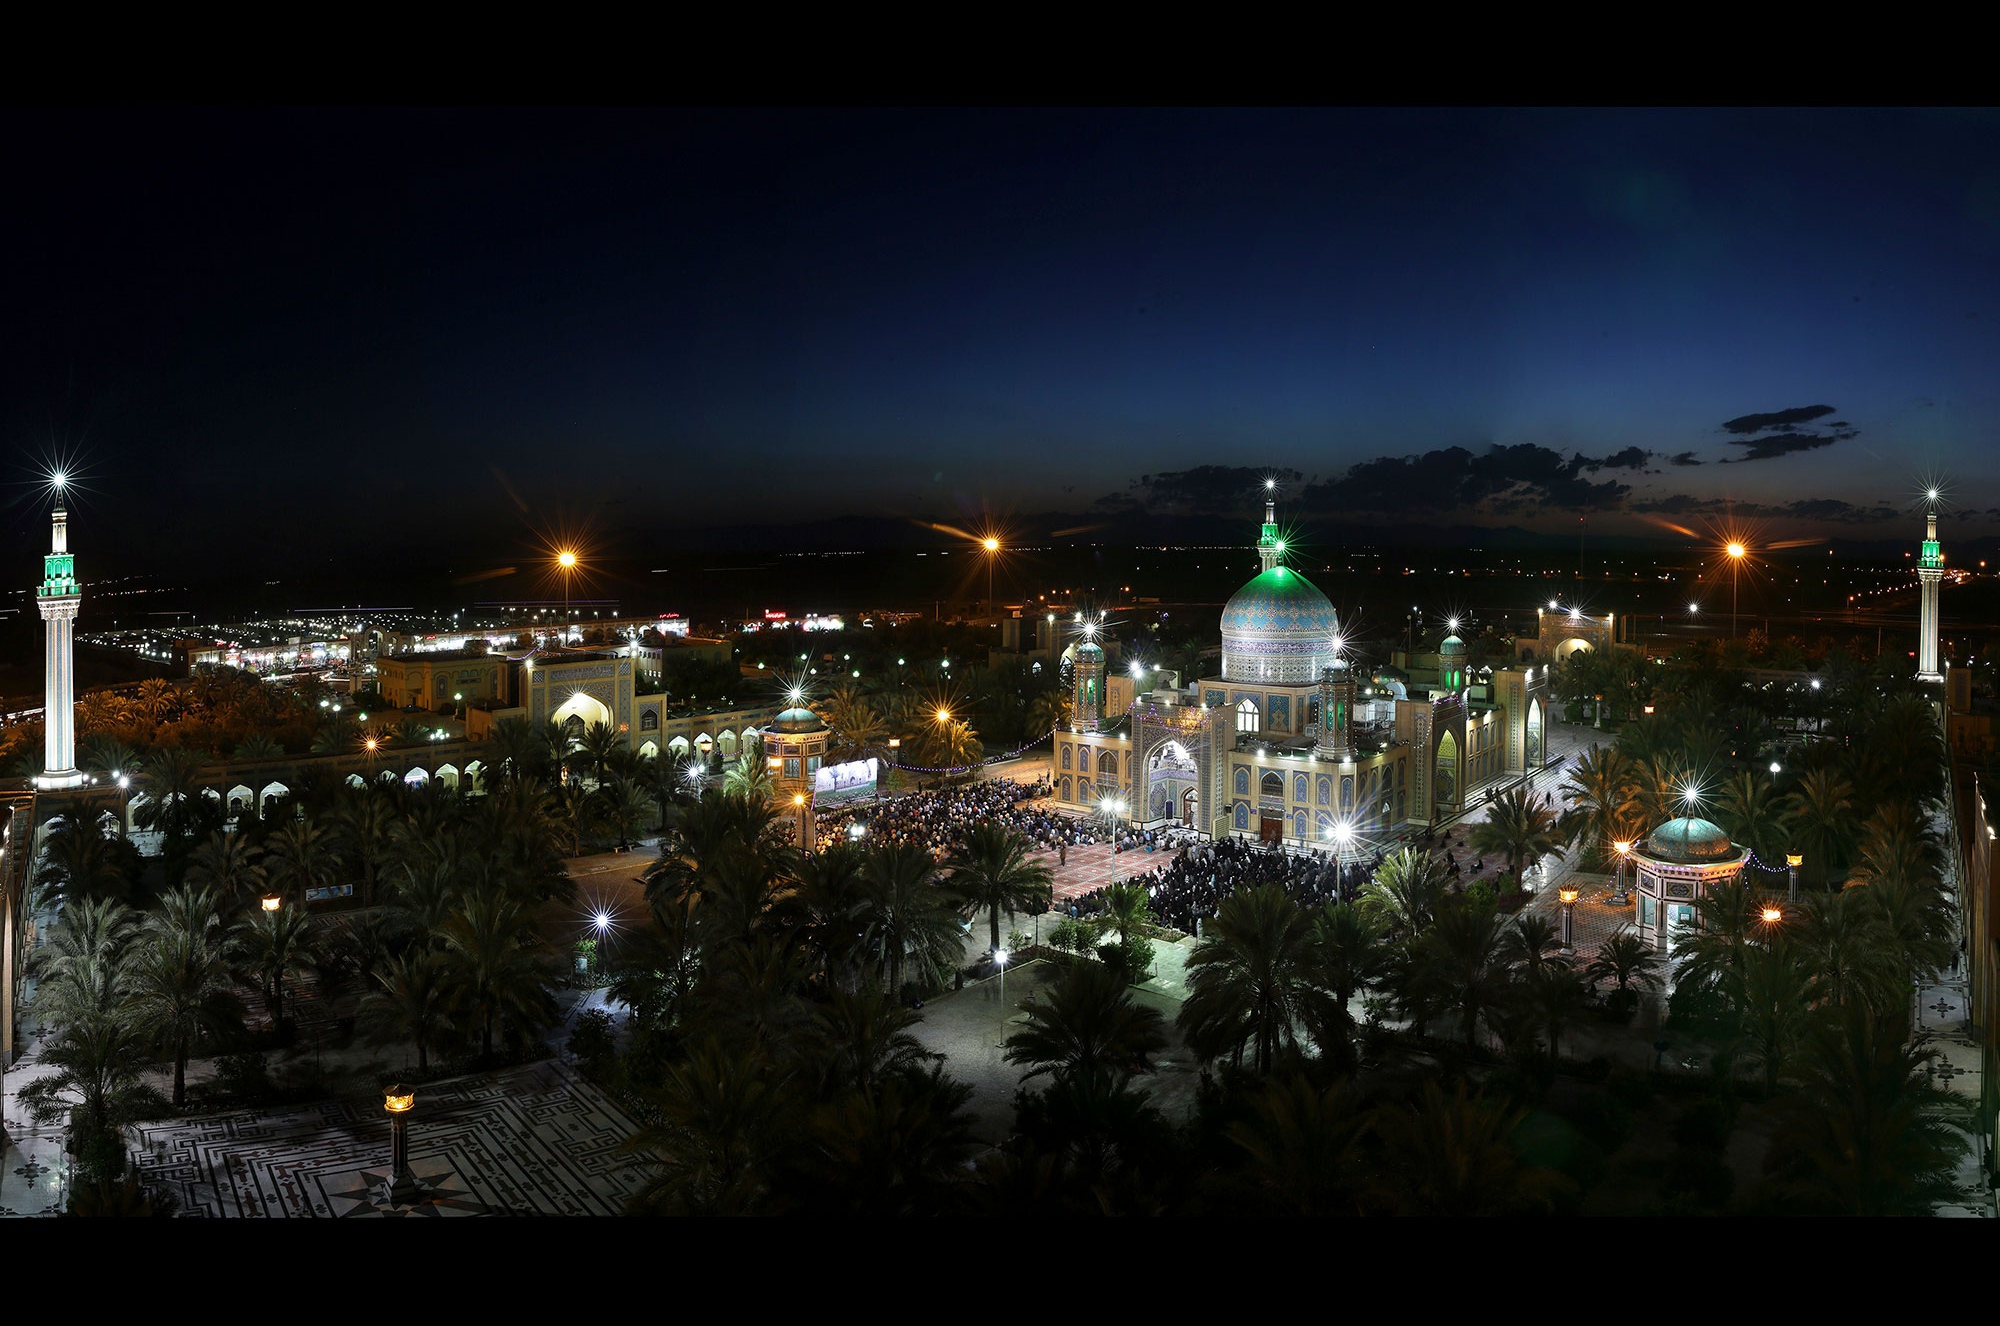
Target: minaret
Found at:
x=1930, y=571
x=1270, y=548
x=1336, y=712
x=1087, y=703
x=59, y=597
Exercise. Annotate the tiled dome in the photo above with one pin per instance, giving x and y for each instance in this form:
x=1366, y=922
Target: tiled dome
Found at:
x=1689, y=839
x=798, y=719
x=1278, y=628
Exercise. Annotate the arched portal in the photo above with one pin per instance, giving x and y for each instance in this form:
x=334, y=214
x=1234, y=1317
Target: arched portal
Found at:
x=448, y=776
x=584, y=707
x=726, y=743
x=1444, y=793
x=1532, y=739
x=475, y=776
x=1573, y=645
x=649, y=750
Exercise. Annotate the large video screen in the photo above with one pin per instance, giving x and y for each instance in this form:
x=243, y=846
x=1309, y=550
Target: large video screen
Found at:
x=835, y=784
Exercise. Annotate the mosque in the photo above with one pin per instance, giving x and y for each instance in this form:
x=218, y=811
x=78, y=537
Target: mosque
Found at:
x=1291, y=742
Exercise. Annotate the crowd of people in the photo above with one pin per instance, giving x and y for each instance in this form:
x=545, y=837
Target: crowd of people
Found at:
x=1190, y=886
x=939, y=818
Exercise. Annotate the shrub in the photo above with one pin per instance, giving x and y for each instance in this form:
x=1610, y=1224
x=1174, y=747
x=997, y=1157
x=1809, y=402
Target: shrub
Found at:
x=1706, y=1123
x=593, y=1044
x=1605, y=1120
x=243, y=1077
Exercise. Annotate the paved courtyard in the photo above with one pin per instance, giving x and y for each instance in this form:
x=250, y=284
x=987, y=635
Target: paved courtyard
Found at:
x=533, y=1141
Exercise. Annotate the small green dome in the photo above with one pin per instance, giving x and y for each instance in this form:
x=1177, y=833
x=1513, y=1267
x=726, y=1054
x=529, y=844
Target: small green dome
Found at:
x=1451, y=644
x=799, y=719
x=1689, y=839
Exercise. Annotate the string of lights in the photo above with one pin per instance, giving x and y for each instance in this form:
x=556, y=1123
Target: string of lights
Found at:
x=967, y=768
x=1773, y=870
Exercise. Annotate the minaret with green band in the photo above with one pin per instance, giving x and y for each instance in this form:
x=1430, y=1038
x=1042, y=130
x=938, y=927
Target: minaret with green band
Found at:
x=58, y=597
x=1930, y=574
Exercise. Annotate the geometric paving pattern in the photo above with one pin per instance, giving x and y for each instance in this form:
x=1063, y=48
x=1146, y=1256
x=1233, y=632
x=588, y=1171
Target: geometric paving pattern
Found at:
x=533, y=1141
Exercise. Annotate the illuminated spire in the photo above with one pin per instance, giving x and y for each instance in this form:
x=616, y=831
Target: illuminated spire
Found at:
x=1270, y=548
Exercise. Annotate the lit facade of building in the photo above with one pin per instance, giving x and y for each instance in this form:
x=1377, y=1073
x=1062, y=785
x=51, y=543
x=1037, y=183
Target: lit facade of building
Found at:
x=433, y=681
x=1288, y=742
x=580, y=689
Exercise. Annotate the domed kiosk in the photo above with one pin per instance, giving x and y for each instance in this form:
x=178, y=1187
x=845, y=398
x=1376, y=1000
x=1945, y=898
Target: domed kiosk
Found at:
x=794, y=749
x=1677, y=863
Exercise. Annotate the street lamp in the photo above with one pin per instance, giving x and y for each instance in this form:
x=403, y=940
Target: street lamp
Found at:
x=271, y=902
x=1342, y=834
x=992, y=547
x=1568, y=896
x=1624, y=849
x=1000, y=958
x=1772, y=914
x=566, y=559
x=1735, y=551
x=1792, y=863
x=401, y=1187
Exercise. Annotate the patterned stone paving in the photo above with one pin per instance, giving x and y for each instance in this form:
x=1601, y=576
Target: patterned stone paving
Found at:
x=534, y=1141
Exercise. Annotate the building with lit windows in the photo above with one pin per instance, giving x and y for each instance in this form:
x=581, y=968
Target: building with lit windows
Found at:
x=443, y=680
x=1291, y=739
x=581, y=688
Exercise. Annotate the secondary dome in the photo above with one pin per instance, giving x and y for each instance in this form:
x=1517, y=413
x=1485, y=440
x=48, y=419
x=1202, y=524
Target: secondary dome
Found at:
x=1689, y=839
x=1278, y=628
x=799, y=719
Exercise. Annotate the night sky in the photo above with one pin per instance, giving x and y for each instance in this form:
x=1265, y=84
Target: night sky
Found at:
x=289, y=335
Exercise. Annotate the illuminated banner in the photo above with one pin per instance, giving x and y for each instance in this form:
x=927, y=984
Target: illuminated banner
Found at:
x=835, y=783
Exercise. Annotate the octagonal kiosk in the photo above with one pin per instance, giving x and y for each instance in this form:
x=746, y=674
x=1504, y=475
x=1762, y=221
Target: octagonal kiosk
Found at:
x=1677, y=863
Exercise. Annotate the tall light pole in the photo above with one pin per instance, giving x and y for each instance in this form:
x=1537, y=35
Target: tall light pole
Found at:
x=1624, y=849
x=992, y=547
x=1568, y=896
x=566, y=559
x=1735, y=551
x=1792, y=863
x=401, y=1187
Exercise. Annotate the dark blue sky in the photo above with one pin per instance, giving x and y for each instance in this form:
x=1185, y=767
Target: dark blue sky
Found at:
x=349, y=322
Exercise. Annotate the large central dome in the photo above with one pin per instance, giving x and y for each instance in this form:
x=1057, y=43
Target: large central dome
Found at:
x=1278, y=629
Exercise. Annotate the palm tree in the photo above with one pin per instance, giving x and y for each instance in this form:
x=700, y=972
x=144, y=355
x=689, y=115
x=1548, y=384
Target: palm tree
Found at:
x=1087, y=1029
x=1304, y=1147
x=909, y=915
x=1626, y=959
x=659, y=965
x=1406, y=892
x=94, y=1064
x=600, y=740
x=1454, y=1155
x=991, y=869
x=576, y=814
x=495, y=965
x=1127, y=907
x=516, y=749
x=82, y=863
x=173, y=788
x=627, y=806
x=825, y=911
x=226, y=864
x=1556, y=996
x=112, y=757
x=1866, y=1136
x=1753, y=813
x=270, y=945
x=1821, y=815
x=1770, y=991
x=1458, y=961
x=1533, y=942
x=900, y=1150
x=298, y=856
x=749, y=779
x=180, y=994
x=415, y=1000
x=1603, y=805
x=1518, y=827
x=363, y=826
x=1049, y=710
x=1347, y=958
x=1842, y=942
x=861, y=1039
x=258, y=746
x=716, y=1134
x=1250, y=977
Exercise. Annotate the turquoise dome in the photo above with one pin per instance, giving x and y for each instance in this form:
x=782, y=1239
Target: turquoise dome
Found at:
x=1279, y=629
x=799, y=719
x=1451, y=644
x=1689, y=839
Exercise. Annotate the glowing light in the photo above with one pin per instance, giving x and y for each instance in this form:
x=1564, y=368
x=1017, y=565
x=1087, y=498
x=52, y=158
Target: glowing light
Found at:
x=944, y=715
x=399, y=1099
x=1000, y=956
x=1281, y=545
x=795, y=694
x=1552, y=605
x=1451, y=622
x=1931, y=493
x=991, y=545
x=371, y=743
x=1794, y=860
x=566, y=559
x=59, y=481
x=1735, y=550
x=1773, y=915
x=602, y=922
x=1693, y=608
x=1568, y=896
x=1776, y=768
x=1270, y=483
x=1624, y=846
x=270, y=902
x=798, y=798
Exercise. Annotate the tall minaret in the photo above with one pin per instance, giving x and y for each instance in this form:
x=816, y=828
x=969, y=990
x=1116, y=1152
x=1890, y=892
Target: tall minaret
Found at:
x=1930, y=571
x=58, y=597
x=1270, y=548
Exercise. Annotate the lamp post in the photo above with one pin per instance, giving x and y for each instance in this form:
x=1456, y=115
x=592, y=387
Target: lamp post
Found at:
x=992, y=547
x=1568, y=896
x=566, y=559
x=1624, y=849
x=1735, y=551
x=1112, y=808
x=401, y=1187
x=270, y=902
x=799, y=809
x=1000, y=958
x=1342, y=834
x=1792, y=863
